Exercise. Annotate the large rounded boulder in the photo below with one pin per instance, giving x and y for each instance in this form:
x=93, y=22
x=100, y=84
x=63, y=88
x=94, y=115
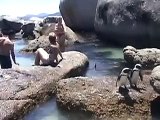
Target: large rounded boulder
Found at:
x=78, y=14
x=133, y=22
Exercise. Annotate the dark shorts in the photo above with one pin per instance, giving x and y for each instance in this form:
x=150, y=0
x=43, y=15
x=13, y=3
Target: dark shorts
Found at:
x=5, y=62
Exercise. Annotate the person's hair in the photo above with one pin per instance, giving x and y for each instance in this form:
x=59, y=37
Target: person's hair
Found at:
x=52, y=37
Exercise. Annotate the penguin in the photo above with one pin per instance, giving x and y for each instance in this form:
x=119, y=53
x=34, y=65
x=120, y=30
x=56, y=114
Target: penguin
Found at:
x=123, y=77
x=135, y=75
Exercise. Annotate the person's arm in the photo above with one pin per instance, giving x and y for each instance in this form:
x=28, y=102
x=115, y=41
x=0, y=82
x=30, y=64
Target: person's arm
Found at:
x=60, y=53
x=13, y=55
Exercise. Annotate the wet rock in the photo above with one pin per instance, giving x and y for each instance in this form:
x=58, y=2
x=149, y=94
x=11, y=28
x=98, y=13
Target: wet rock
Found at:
x=78, y=14
x=14, y=109
x=155, y=79
x=148, y=57
x=100, y=97
x=37, y=83
x=129, y=22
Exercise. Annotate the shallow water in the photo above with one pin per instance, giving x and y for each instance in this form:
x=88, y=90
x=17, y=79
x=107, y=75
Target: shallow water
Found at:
x=108, y=61
x=25, y=60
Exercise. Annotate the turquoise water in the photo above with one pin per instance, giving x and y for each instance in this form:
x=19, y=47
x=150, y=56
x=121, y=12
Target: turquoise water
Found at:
x=108, y=61
x=25, y=60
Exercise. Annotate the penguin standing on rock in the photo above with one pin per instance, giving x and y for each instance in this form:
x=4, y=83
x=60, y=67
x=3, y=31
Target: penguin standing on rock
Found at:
x=123, y=78
x=135, y=74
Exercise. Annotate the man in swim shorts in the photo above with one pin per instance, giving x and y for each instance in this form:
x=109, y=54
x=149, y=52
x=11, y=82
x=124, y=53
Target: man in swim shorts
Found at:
x=6, y=49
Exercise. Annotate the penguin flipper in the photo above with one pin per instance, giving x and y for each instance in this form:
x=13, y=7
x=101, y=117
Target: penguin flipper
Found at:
x=140, y=75
x=118, y=79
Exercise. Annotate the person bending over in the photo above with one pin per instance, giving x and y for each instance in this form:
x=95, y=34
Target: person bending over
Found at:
x=6, y=49
x=50, y=58
x=60, y=33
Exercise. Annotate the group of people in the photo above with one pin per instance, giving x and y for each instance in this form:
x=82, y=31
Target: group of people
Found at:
x=57, y=45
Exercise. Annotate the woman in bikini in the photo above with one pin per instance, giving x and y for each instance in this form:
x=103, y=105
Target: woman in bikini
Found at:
x=50, y=58
x=60, y=33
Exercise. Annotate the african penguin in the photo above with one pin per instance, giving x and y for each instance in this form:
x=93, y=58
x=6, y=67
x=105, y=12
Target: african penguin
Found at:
x=135, y=74
x=123, y=77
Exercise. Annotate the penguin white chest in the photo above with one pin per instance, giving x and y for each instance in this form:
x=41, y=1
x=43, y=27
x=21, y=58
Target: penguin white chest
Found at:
x=123, y=80
x=135, y=77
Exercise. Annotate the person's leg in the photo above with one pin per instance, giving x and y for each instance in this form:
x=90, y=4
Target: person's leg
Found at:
x=41, y=55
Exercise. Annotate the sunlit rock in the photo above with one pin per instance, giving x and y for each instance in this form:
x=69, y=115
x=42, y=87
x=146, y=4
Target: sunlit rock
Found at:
x=148, y=57
x=155, y=79
x=100, y=97
x=22, y=88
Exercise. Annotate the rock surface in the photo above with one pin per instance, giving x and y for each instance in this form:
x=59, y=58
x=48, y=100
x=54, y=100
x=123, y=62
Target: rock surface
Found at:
x=78, y=14
x=148, y=57
x=23, y=88
x=99, y=96
x=129, y=22
x=155, y=79
x=43, y=41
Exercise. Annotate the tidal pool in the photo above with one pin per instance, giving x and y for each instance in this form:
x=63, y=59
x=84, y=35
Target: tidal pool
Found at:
x=103, y=60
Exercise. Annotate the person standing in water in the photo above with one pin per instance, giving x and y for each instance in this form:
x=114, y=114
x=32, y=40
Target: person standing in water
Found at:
x=50, y=58
x=7, y=49
x=60, y=33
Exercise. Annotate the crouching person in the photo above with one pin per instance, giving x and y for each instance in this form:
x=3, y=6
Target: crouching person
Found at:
x=51, y=57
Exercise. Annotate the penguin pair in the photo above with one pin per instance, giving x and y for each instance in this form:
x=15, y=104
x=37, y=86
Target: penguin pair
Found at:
x=130, y=75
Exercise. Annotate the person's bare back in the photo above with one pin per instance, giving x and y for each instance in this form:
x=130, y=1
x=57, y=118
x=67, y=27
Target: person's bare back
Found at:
x=5, y=46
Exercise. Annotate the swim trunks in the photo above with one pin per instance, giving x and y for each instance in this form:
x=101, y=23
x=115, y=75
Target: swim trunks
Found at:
x=5, y=62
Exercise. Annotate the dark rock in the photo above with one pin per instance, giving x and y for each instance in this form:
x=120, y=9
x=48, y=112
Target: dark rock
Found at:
x=100, y=97
x=148, y=57
x=9, y=25
x=27, y=31
x=51, y=19
x=129, y=22
x=78, y=14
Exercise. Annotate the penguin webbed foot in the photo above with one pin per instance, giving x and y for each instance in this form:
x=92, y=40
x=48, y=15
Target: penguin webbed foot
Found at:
x=136, y=88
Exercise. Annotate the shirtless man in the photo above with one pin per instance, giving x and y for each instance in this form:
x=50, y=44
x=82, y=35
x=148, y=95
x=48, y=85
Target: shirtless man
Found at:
x=6, y=48
x=60, y=33
x=50, y=58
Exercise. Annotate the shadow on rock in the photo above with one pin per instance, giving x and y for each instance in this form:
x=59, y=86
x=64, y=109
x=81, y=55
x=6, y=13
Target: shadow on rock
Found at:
x=127, y=99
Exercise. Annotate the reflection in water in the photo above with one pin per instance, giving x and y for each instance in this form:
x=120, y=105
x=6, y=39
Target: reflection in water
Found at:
x=108, y=61
x=50, y=111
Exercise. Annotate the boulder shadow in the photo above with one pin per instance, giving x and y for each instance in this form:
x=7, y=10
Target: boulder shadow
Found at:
x=155, y=108
x=127, y=99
